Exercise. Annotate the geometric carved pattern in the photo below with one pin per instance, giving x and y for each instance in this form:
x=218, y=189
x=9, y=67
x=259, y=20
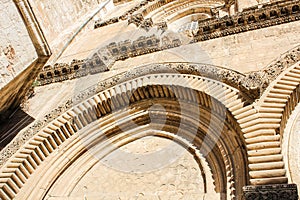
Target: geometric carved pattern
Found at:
x=271, y=192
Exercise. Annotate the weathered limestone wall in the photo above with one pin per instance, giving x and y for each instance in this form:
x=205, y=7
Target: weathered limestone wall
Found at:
x=242, y=4
x=56, y=16
x=180, y=178
x=58, y=20
x=253, y=50
x=16, y=49
x=62, y=21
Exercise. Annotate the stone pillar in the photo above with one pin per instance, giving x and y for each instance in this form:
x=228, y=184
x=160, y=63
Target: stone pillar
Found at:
x=271, y=192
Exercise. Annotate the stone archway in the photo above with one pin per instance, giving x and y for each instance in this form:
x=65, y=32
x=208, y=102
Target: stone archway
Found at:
x=225, y=161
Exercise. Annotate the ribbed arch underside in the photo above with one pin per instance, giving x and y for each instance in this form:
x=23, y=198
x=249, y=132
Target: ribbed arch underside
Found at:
x=171, y=17
x=217, y=97
x=173, y=10
x=206, y=133
x=283, y=95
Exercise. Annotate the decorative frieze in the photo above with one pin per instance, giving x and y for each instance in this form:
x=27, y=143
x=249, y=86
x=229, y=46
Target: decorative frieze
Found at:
x=256, y=82
x=105, y=57
x=271, y=192
x=255, y=18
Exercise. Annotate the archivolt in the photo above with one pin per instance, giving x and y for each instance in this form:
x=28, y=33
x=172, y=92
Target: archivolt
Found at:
x=283, y=92
x=263, y=129
x=161, y=10
x=116, y=130
x=189, y=11
x=106, y=135
x=211, y=94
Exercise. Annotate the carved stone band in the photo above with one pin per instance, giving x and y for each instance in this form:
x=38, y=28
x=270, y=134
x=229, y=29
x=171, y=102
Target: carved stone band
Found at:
x=271, y=192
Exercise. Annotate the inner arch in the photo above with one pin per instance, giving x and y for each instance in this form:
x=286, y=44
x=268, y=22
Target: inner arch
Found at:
x=182, y=178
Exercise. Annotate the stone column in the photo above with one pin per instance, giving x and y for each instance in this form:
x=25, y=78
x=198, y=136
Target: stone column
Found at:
x=35, y=32
x=271, y=192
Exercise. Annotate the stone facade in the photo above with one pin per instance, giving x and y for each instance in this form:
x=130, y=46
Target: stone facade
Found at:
x=156, y=100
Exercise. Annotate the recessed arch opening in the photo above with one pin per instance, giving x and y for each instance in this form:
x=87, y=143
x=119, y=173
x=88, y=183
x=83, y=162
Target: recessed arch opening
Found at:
x=219, y=159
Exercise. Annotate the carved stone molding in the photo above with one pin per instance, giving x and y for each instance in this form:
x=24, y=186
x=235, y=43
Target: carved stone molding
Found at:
x=147, y=24
x=271, y=192
x=209, y=99
x=136, y=19
x=250, y=85
x=162, y=26
x=27, y=133
x=125, y=16
x=255, y=18
x=105, y=57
